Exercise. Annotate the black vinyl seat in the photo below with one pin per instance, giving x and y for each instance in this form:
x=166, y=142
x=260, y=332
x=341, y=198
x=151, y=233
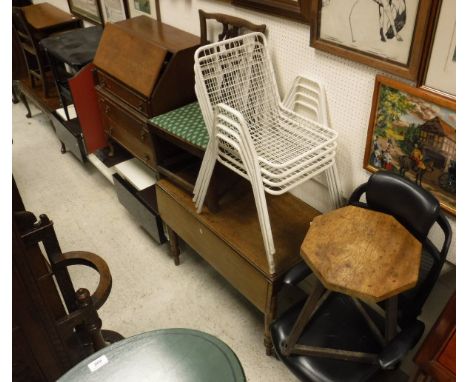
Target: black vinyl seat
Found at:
x=338, y=324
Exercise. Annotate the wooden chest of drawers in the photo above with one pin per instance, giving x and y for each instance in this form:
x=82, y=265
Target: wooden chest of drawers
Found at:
x=144, y=68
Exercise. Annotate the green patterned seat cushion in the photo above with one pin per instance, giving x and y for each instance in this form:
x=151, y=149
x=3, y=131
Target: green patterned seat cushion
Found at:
x=186, y=123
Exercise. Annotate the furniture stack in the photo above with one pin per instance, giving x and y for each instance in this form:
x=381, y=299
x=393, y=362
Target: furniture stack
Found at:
x=251, y=132
x=154, y=76
x=69, y=55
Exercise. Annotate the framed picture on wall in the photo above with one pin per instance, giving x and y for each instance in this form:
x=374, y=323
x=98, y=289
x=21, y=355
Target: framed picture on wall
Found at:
x=114, y=10
x=440, y=70
x=412, y=131
x=89, y=10
x=293, y=9
x=385, y=34
x=148, y=8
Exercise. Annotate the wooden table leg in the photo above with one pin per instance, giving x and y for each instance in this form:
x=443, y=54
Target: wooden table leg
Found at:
x=391, y=318
x=270, y=315
x=25, y=103
x=174, y=245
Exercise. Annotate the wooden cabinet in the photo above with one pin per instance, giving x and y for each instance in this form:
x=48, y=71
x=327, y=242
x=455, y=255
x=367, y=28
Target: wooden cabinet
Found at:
x=144, y=68
x=436, y=356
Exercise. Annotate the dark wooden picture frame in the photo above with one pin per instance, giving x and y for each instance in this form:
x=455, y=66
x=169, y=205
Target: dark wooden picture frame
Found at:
x=409, y=70
x=412, y=131
x=299, y=10
x=83, y=14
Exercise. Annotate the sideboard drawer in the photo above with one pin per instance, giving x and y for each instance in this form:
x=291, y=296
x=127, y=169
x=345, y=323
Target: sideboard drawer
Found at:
x=127, y=129
x=138, y=102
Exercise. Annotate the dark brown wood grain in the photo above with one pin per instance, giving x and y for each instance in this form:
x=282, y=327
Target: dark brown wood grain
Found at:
x=44, y=15
x=299, y=10
x=139, y=67
x=231, y=242
x=436, y=356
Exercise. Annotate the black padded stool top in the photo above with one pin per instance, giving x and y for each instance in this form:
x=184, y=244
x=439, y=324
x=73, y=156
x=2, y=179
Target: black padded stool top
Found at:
x=76, y=47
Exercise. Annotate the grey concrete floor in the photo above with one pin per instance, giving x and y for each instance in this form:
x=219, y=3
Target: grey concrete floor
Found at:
x=148, y=292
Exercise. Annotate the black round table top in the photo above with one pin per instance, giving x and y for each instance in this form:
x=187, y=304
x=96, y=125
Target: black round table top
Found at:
x=166, y=355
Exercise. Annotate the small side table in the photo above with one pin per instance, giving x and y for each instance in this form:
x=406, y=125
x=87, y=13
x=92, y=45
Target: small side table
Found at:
x=362, y=253
x=46, y=18
x=167, y=355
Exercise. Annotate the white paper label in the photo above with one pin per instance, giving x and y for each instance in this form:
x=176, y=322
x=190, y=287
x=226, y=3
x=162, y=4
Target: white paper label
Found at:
x=98, y=363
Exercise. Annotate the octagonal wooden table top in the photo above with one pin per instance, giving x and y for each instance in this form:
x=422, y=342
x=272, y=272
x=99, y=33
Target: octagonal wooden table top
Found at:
x=362, y=253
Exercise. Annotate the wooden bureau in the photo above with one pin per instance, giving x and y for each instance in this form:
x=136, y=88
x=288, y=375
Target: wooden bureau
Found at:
x=144, y=68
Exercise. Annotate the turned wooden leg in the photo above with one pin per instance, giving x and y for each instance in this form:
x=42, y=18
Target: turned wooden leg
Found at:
x=26, y=104
x=92, y=321
x=14, y=96
x=174, y=245
x=270, y=315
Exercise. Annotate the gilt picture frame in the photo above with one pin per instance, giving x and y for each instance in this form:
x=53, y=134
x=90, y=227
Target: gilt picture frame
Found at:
x=387, y=35
x=412, y=132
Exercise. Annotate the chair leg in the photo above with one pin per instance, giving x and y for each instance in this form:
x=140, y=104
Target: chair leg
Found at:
x=205, y=178
x=26, y=104
x=207, y=158
x=174, y=245
x=265, y=226
x=14, y=97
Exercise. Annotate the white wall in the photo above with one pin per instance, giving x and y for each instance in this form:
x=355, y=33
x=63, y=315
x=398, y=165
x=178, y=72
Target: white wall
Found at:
x=349, y=87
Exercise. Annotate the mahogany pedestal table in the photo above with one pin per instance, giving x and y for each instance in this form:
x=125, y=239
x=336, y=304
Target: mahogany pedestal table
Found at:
x=364, y=254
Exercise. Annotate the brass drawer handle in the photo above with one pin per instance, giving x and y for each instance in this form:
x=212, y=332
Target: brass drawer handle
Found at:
x=147, y=158
x=106, y=110
x=142, y=135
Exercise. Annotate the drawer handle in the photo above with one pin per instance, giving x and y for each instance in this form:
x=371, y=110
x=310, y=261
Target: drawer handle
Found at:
x=142, y=135
x=106, y=110
x=147, y=158
x=141, y=104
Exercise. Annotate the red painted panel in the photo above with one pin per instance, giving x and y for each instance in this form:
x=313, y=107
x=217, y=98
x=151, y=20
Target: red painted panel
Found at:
x=87, y=109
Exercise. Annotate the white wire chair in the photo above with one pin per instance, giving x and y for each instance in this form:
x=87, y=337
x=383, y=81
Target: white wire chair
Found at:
x=308, y=98
x=251, y=132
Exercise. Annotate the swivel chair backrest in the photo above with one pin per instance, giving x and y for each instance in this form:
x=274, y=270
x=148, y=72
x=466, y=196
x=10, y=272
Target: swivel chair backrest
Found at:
x=418, y=210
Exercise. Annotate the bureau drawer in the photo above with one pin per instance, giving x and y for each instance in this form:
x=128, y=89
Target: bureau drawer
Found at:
x=128, y=130
x=135, y=100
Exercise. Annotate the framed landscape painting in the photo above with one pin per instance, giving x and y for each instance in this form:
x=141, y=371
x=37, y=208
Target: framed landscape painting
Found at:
x=412, y=132
x=385, y=34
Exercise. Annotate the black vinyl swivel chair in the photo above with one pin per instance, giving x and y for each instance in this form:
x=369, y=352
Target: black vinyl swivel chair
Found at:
x=338, y=324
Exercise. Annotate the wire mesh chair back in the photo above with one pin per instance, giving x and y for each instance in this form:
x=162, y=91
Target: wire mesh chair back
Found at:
x=239, y=74
x=251, y=132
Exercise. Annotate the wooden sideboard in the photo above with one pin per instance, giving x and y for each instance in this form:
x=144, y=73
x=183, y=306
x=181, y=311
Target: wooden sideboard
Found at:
x=144, y=68
x=231, y=242
x=436, y=358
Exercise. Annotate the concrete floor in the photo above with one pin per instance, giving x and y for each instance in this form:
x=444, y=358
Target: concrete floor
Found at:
x=148, y=292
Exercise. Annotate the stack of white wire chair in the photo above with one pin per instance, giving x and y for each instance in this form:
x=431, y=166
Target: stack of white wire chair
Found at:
x=251, y=131
x=307, y=97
